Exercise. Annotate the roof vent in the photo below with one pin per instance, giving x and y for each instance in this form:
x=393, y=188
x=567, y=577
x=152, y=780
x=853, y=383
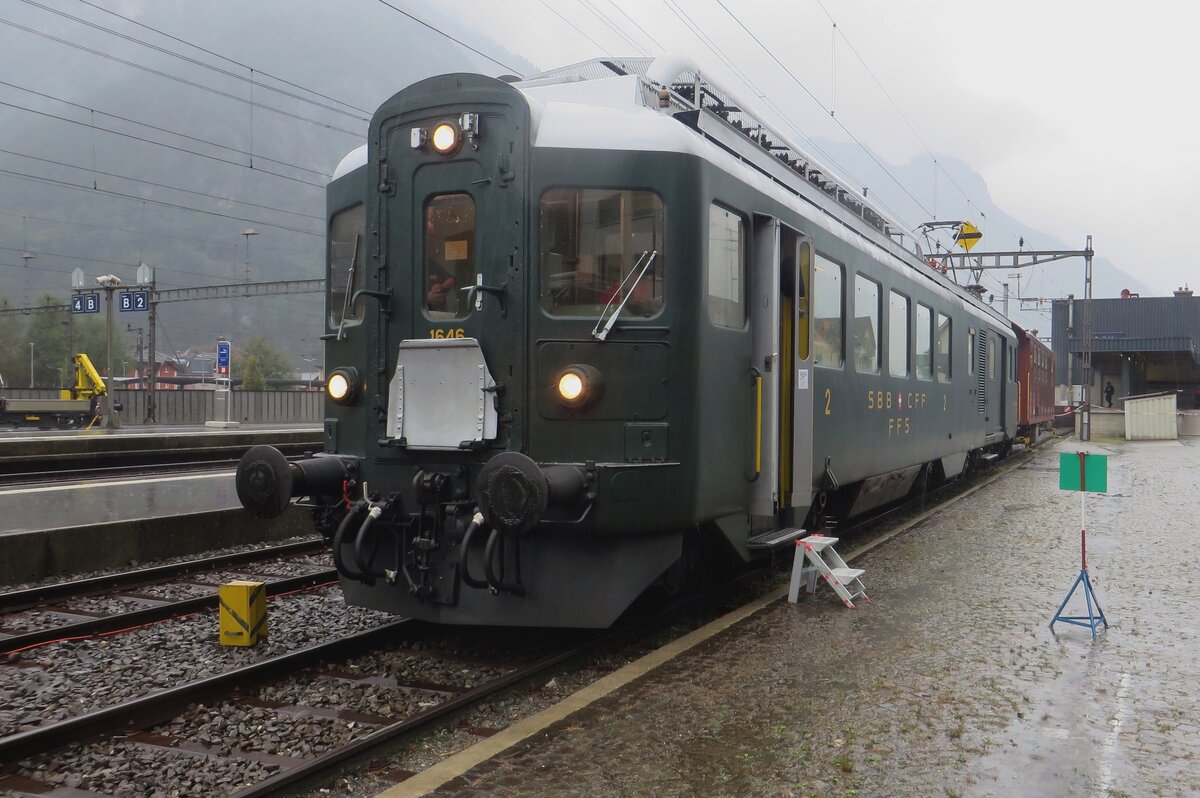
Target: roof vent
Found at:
x=1185, y=291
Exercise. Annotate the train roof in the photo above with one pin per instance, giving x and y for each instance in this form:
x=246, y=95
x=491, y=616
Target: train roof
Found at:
x=664, y=104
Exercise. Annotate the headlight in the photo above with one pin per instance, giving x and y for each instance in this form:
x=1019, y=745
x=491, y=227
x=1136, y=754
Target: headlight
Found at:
x=578, y=385
x=342, y=385
x=446, y=138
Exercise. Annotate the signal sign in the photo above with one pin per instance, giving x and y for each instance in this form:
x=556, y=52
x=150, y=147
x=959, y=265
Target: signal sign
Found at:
x=85, y=303
x=135, y=300
x=968, y=236
x=223, y=358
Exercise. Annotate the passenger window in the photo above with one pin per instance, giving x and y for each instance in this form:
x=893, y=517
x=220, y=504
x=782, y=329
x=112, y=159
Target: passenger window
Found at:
x=827, y=313
x=346, y=257
x=943, y=348
x=593, y=243
x=449, y=255
x=924, y=342
x=726, y=268
x=992, y=352
x=865, y=332
x=898, y=327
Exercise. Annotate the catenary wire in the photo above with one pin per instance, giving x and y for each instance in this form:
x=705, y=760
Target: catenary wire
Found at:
x=168, y=131
x=196, y=62
x=111, y=192
x=95, y=171
x=177, y=79
x=163, y=33
x=174, y=147
x=441, y=32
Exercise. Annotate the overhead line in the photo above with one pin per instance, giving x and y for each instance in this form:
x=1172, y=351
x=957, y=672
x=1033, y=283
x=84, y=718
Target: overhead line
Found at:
x=842, y=33
x=177, y=79
x=605, y=20
x=821, y=105
x=168, y=131
x=177, y=148
x=197, y=62
x=110, y=192
x=771, y=104
x=223, y=57
x=575, y=27
x=110, y=228
x=459, y=42
x=162, y=185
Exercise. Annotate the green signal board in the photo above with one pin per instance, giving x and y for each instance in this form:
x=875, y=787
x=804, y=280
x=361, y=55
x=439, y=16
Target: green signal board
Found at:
x=1091, y=475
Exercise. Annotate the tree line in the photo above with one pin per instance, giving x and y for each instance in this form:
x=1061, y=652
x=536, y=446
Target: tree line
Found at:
x=54, y=343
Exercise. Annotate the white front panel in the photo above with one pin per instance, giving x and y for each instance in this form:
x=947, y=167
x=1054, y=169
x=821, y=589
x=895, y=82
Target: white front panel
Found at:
x=441, y=396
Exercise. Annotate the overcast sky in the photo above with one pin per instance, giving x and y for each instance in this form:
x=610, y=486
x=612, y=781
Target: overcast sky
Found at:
x=1080, y=116
x=1077, y=115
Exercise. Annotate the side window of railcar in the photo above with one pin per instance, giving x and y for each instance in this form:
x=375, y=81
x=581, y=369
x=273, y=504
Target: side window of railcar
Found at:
x=593, y=243
x=449, y=255
x=865, y=332
x=924, y=342
x=992, y=351
x=346, y=258
x=827, y=313
x=898, y=327
x=943, y=348
x=971, y=351
x=726, y=268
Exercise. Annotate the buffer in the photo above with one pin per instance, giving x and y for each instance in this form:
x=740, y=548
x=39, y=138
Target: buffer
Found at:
x=818, y=552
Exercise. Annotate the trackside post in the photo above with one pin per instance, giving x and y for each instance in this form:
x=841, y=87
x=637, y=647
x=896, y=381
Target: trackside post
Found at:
x=1082, y=472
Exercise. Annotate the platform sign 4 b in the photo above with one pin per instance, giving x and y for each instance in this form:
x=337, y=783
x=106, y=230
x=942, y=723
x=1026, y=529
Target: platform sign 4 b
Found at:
x=223, y=358
x=1082, y=471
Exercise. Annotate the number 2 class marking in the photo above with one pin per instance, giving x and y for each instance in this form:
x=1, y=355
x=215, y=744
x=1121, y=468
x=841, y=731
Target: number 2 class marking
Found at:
x=828, y=396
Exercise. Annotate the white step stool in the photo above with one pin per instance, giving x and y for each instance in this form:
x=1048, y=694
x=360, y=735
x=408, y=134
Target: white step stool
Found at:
x=817, y=551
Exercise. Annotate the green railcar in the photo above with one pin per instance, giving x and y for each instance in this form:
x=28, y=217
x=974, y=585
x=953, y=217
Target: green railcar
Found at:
x=582, y=325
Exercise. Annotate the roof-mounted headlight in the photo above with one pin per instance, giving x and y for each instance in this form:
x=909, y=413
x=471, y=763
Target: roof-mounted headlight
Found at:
x=342, y=386
x=446, y=138
x=578, y=385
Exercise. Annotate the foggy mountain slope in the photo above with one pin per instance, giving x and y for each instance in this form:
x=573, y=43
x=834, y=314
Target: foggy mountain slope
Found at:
x=359, y=59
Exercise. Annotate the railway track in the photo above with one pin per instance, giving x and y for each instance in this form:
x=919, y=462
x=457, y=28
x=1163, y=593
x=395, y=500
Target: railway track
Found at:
x=54, y=613
x=293, y=717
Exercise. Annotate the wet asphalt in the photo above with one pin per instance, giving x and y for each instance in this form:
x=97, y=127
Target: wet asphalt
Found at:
x=948, y=681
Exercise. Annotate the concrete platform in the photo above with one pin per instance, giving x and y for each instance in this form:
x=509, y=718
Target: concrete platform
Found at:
x=16, y=445
x=948, y=682
x=47, y=530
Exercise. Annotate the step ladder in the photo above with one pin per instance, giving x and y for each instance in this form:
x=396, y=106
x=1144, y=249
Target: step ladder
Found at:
x=815, y=556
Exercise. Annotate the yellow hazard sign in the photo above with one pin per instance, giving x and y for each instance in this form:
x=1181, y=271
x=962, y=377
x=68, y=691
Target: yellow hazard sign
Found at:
x=968, y=235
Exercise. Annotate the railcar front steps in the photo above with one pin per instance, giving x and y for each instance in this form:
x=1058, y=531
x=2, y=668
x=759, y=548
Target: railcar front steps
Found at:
x=818, y=552
x=774, y=538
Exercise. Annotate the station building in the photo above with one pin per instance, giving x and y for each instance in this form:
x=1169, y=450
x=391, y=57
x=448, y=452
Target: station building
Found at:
x=1142, y=345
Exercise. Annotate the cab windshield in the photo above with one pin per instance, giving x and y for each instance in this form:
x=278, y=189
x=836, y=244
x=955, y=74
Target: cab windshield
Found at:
x=590, y=239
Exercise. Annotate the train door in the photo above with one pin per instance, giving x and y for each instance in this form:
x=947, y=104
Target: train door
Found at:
x=780, y=365
x=454, y=240
x=802, y=396
x=994, y=377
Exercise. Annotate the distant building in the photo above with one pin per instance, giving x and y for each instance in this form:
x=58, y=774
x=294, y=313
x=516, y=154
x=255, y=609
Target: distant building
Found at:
x=1139, y=344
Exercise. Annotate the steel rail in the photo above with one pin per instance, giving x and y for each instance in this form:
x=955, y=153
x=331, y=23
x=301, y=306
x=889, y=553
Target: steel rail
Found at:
x=27, y=598
x=167, y=704
x=323, y=763
x=163, y=612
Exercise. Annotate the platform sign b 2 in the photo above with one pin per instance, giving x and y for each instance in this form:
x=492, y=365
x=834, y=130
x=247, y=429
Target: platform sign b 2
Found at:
x=1082, y=471
x=222, y=358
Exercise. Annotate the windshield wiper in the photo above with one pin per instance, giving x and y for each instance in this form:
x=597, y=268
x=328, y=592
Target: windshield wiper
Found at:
x=349, y=285
x=604, y=326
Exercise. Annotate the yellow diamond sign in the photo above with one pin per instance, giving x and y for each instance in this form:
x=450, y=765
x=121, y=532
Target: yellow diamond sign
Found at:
x=968, y=236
